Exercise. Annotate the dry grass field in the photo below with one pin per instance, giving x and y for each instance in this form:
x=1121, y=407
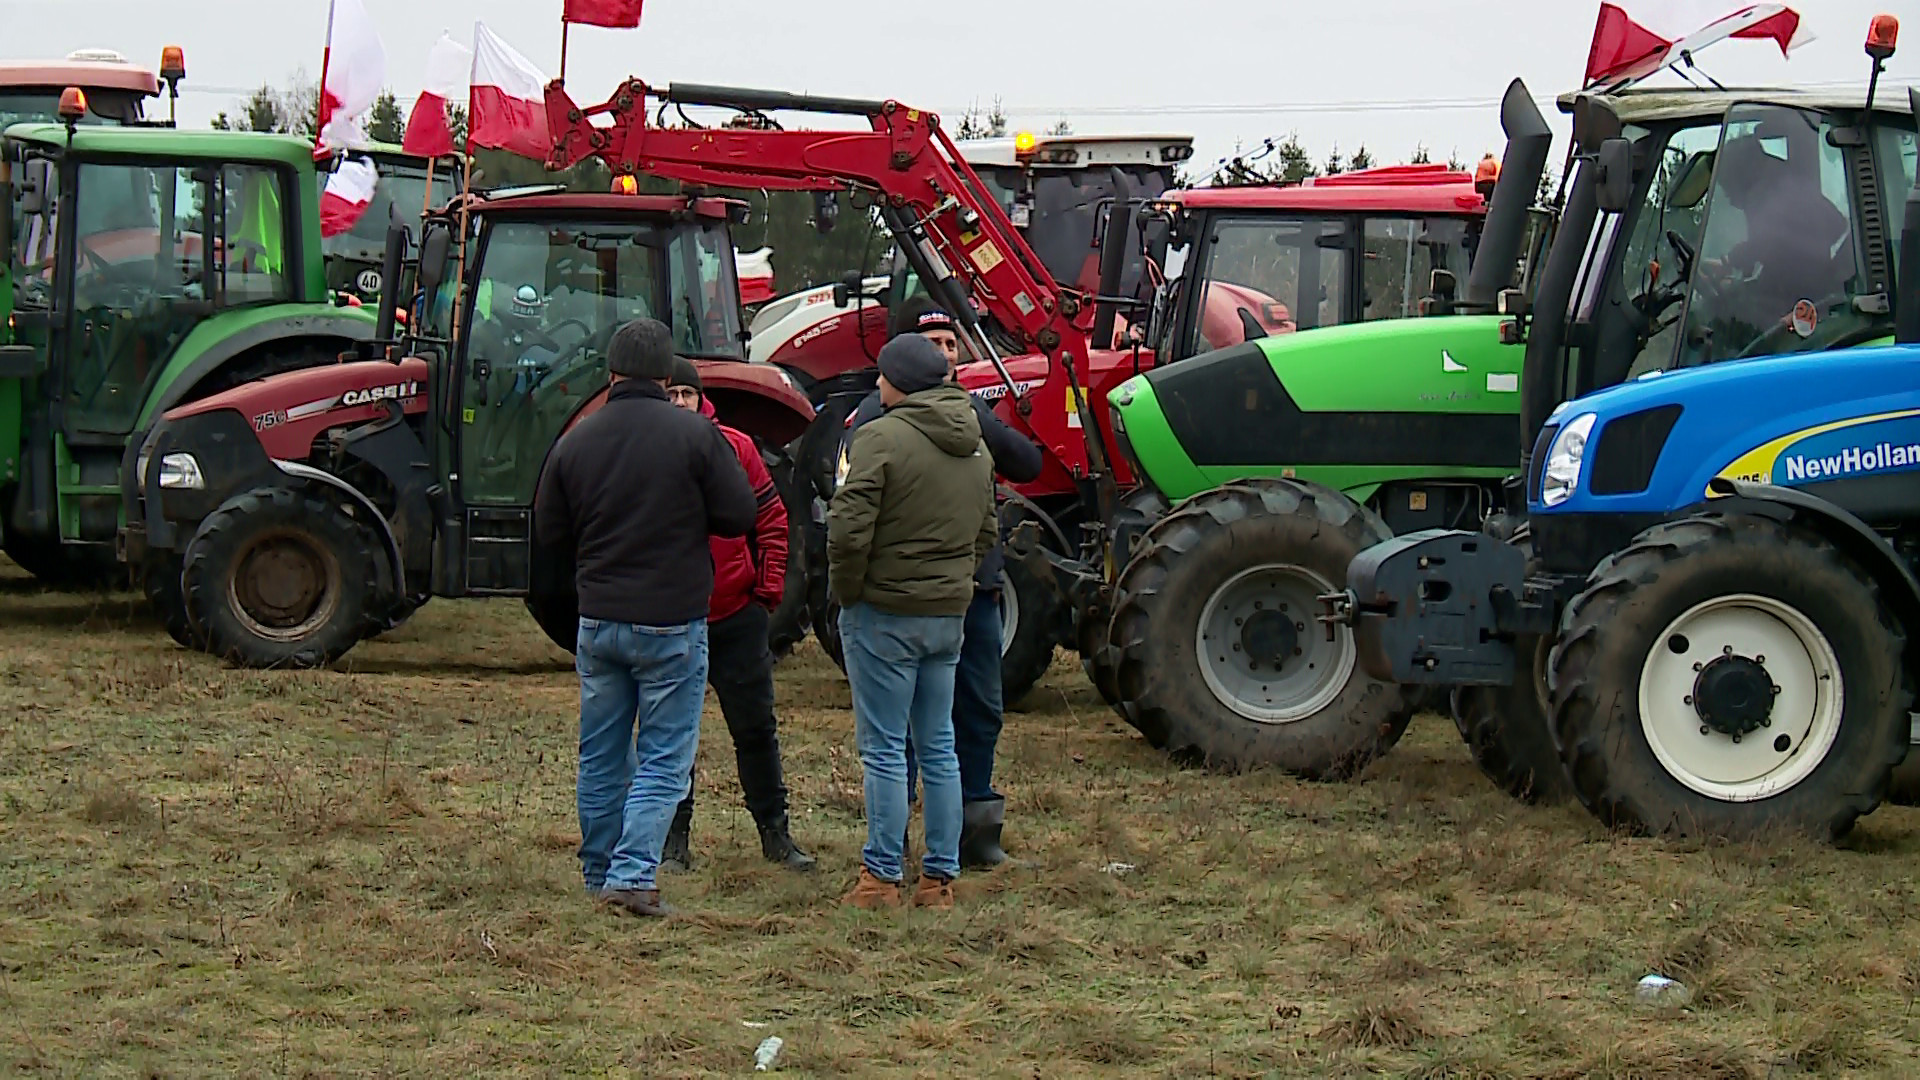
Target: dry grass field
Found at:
x=370, y=872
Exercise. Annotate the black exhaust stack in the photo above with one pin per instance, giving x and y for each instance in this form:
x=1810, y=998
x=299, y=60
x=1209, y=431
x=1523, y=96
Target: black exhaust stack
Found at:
x=1113, y=262
x=384, y=321
x=1528, y=141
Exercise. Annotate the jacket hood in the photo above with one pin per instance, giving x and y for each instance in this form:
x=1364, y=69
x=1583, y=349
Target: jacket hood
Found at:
x=945, y=416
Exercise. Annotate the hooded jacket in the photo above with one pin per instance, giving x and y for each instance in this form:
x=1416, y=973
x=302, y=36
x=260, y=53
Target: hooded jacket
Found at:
x=752, y=568
x=915, y=518
x=1015, y=457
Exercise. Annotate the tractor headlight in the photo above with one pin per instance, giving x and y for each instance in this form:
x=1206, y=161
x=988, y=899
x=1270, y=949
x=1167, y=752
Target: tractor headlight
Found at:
x=181, y=471
x=1564, y=458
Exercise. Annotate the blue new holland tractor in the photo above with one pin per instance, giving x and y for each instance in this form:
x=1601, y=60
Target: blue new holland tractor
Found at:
x=1700, y=615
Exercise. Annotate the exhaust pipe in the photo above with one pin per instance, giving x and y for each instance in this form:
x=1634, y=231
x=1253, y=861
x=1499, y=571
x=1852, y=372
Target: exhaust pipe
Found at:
x=1113, y=262
x=1528, y=141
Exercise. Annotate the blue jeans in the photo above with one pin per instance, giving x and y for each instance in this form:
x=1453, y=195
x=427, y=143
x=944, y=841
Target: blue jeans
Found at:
x=901, y=669
x=977, y=707
x=641, y=688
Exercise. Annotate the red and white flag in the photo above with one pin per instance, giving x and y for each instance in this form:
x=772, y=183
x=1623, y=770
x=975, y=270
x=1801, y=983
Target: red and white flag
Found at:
x=355, y=65
x=347, y=194
x=448, y=66
x=508, y=99
x=619, y=14
x=1633, y=44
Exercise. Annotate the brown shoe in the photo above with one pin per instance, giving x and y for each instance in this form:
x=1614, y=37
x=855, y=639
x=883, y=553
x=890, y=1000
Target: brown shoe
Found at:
x=934, y=892
x=644, y=902
x=871, y=893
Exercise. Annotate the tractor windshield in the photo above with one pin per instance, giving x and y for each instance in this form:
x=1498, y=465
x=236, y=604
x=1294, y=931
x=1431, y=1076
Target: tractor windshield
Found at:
x=398, y=198
x=1778, y=270
x=547, y=299
x=1061, y=208
x=41, y=105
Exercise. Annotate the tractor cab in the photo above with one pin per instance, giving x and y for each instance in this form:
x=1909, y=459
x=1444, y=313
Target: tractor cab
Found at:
x=1247, y=263
x=147, y=266
x=400, y=197
x=116, y=91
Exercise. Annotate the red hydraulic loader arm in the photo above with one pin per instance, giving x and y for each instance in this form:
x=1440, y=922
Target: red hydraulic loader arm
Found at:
x=944, y=218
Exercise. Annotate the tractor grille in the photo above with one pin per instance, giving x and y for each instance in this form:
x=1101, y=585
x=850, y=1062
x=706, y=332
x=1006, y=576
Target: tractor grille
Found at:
x=1629, y=448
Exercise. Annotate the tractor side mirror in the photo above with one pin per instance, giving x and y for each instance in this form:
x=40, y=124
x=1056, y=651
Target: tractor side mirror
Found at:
x=848, y=287
x=1442, y=287
x=1691, y=187
x=1615, y=162
x=35, y=186
x=435, y=246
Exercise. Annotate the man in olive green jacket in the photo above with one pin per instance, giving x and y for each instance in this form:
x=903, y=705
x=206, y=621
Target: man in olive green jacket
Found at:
x=905, y=534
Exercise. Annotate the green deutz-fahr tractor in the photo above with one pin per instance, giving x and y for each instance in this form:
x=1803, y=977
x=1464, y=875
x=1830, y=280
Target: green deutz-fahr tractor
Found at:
x=1282, y=458
x=147, y=267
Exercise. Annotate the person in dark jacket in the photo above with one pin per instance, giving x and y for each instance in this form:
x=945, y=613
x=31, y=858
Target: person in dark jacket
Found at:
x=905, y=536
x=977, y=706
x=749, y=578
x=634, y=492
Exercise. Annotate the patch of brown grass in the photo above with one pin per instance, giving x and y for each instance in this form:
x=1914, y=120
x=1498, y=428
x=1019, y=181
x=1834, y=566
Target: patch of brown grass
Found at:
x=370, y=872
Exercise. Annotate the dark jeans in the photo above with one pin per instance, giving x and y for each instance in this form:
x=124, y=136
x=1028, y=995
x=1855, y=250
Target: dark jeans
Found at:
x=976, y=702
x=740, y=670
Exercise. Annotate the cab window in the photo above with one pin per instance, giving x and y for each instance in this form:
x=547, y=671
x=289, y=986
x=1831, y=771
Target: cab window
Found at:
x=1778, y=267
x=1401, y=256
x=1265, y=276
x=1651, y=268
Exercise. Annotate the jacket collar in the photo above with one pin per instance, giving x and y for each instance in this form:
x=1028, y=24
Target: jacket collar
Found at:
x=636, y=388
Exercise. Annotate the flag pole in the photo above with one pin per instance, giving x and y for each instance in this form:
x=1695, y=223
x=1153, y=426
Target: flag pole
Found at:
x=466, y=194
x=320, y=99
x=564, y=27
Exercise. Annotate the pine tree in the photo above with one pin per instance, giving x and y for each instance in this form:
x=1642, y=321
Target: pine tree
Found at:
x=385, y=122
x=1360, y=159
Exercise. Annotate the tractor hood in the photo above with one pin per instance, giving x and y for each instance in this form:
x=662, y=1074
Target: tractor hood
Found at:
x=1350, y=406
x=1843, y=419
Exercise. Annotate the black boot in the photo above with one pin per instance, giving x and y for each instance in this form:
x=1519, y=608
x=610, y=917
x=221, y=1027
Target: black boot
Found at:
x=776, y=843
x=980, y=824
x=675, y=858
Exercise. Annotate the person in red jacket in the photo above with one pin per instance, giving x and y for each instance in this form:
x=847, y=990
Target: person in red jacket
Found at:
x=749, y=578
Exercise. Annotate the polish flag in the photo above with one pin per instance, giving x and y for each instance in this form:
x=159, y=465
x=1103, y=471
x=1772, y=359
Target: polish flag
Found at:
x=354, y=66
x=507, y=107
x=448, y=66
x=1631, y=46
x=619, y=14
x=347, y=194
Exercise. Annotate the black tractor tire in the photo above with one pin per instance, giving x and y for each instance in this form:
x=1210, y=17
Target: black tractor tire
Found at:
x=787, y=625
x=1686, y=585
x=278, y=577
x=826, y=629
x=160, y=581
x=1281, y=541
x=1903, y=789
x=69, y=567
x=1029, y=630
x=1509, y=731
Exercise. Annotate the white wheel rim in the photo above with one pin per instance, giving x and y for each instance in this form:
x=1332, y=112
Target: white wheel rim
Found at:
x=1305, y=684
x=1009, y=614
x=1804, y=720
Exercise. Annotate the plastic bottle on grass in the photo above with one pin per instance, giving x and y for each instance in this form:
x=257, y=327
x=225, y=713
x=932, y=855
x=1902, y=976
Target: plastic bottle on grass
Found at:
x=763, y=1057
x=1662, y=991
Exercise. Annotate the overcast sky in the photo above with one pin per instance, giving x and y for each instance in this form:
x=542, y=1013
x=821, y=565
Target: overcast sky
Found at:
x=1387, y=73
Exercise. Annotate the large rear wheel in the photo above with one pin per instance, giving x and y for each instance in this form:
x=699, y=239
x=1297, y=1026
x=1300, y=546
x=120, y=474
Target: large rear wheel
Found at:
x=278, y=578
x=1748, y=680
x=160, y=581
x=77, y=567
x=1220, y=653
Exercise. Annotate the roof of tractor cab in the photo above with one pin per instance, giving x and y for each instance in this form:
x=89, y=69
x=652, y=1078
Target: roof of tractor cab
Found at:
x=168, y=142
x=1092, y=150
x=1412, y=189
x=60, y=74
x=542, y=200
x=1649, y=105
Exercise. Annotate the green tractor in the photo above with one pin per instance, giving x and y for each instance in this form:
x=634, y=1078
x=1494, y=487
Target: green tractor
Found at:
x=147, y=267
x=354, y=258
x=1276, y=461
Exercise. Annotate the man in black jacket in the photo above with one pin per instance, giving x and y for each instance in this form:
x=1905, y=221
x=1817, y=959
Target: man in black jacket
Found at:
x=635, y=491
x=977, y=705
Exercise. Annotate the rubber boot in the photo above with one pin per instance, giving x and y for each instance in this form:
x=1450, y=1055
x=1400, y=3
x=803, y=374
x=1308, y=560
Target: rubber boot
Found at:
x=776, y=843
x=675, y=857
x=980, y=825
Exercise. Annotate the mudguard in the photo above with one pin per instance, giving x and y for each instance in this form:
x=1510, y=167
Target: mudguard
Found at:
x=213, y=343
x=757, y=399
x=1837, y=525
